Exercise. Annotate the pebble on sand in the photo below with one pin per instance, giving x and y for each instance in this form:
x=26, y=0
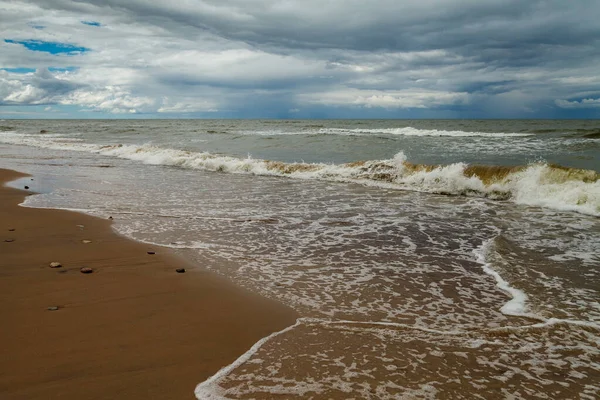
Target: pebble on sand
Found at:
x=151, y=252
x=180, y=270
x=43, y=131
x=55, y=264
x=9, y=240
x=53, y=308
x=86, y=270
x=26, y=187
x=11, y=230
x=110, y=217
x=86, y=241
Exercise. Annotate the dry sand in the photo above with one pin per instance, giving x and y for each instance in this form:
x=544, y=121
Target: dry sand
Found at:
x=133, y=329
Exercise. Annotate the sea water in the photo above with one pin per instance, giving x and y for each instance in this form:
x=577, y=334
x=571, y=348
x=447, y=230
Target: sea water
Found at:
x=427, y=259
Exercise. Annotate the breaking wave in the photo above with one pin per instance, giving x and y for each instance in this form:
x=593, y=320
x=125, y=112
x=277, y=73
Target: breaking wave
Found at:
x=409, y=131
x=592, y=135
x=536, y=184
x=406, y=131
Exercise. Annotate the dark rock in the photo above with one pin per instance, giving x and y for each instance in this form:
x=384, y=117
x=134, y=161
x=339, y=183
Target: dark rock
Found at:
x=43, y=131
x=11, y=230
x=53, y=308
x=86, y=270
x=26, y=187
x=9, y=240
x=180, y=270
x=110, y=217
x=55, y=264
x=151, y=252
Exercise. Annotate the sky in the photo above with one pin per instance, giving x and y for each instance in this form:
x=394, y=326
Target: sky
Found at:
x=300, y=59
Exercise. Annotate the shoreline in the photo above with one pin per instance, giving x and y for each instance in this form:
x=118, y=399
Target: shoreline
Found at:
x=134, y=328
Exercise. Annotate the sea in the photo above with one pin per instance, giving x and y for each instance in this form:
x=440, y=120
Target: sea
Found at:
x=427, y=259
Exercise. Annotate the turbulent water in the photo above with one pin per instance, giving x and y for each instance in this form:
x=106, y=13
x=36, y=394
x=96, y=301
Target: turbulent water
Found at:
x=427, y=259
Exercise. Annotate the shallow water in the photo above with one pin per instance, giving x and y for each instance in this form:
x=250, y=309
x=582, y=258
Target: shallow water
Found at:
x=412, y=282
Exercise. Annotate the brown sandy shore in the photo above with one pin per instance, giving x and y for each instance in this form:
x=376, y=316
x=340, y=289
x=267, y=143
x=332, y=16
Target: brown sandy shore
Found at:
x=133, y=329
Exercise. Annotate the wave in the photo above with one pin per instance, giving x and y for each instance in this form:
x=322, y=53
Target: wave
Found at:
x=592, y=135
x=406, y=131
x=586, y=133
x=409, y=131
x=536, y=184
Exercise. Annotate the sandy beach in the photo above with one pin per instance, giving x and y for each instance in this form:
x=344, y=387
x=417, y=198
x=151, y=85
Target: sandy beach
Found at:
x=132, y=329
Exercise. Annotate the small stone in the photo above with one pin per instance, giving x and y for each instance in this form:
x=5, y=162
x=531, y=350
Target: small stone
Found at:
x=180, y=270
x=151, y=252
x=26, y=187
x=80, y=226
x=55, y=264
x=9, y=240
x=31, y=178
x=86, y=270
x=53, y=308
x=43, y=131
x=11, y=230
x=86, y=241
x=110, y=217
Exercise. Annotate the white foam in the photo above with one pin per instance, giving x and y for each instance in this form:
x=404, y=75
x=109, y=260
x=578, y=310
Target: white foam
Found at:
x=517, y=306
x=27, y=204
x=404, y=131
x=409, y=131
x=551, y=322
x=210, y=390
x=389, y=325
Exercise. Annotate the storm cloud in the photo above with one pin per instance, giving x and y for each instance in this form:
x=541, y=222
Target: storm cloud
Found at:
x=276, y=58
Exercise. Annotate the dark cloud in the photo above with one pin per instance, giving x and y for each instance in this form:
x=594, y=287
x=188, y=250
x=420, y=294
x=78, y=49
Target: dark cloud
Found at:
x=368, y=26
x=454, y=57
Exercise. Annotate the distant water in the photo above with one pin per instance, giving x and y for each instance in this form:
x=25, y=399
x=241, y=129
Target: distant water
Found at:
x=428, y=259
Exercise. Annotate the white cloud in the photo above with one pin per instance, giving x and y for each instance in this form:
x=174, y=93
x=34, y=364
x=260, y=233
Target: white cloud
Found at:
x=41, y=87
x=409, y=98
x=187, y=106
x=584, y=103
x=110, y=99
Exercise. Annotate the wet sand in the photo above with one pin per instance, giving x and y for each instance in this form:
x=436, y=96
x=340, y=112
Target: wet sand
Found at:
x=132, y=329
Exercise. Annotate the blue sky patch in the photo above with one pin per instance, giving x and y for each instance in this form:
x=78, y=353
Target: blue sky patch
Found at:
x=19, y=70
x=50, y=47
x=62, y=69
x=23, y=70
x=91, y=23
